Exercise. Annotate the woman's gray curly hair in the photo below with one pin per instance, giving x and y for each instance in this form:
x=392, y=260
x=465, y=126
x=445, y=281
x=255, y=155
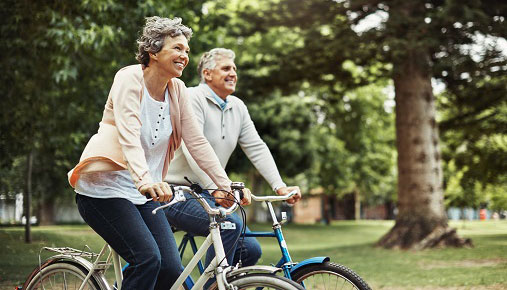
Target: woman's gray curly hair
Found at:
x=208, y=60
x=155, y=32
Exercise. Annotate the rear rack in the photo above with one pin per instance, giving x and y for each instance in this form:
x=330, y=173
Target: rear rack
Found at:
x=92, y=257
x=71, y=252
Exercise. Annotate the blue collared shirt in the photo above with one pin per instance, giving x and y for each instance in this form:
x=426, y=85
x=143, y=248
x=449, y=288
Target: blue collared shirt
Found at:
x=220, y=101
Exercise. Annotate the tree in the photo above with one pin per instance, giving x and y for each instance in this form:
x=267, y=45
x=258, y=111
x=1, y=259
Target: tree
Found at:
x=60, y=59
x=46, y=101
x=413, y=37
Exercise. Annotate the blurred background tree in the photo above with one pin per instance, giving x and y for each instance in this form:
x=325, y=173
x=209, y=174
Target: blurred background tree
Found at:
x=412, y=43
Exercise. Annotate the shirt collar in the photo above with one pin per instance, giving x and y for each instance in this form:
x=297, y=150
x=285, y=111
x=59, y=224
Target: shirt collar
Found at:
x=220, y=101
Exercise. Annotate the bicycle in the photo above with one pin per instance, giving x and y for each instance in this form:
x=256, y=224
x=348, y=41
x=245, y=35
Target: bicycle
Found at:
x=71, y=269
x=312, y=273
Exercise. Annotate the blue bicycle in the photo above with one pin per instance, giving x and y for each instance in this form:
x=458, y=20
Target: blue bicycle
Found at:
x=312, y=273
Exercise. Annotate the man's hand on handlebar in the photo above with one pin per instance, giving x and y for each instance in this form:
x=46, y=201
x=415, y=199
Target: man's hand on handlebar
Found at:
x=286, y=190
x=226, y=199
x=247, y=197
x=158, y=191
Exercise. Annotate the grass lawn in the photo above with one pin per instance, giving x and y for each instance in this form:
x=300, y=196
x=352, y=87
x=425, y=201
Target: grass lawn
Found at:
x=346, y=242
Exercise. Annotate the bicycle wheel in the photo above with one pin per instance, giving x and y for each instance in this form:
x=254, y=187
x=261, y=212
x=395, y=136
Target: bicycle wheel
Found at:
x=261, y=281
x=329, y=276
x=61, y=275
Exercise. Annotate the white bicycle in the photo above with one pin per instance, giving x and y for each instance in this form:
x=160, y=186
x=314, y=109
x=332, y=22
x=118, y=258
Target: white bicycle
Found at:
x=75, y=269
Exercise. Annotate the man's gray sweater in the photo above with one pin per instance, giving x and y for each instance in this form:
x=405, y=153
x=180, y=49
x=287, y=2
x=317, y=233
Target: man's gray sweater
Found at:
x=224, y=130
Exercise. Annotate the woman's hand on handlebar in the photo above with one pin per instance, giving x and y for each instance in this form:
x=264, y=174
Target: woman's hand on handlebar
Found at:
x=288, y=189
x=158, y=191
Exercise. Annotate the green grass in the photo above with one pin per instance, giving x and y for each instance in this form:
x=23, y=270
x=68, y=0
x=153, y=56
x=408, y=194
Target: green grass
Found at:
x=346, y=242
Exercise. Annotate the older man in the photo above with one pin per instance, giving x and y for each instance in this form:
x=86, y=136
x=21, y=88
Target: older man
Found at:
x=225, y=122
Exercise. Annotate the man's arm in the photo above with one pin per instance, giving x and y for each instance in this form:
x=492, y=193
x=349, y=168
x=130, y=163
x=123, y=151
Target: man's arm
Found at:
x=257, y=151
x=260, y=156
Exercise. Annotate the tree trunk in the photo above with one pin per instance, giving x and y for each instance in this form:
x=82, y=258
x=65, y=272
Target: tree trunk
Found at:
x=256, y=180
x=421, y=221
x=357, y=204
x=28, y=197
x=326, y=209
x=47, y=213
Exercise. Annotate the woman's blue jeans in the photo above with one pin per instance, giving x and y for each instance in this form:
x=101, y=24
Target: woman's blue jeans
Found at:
x=142, y=239
x=191, y=217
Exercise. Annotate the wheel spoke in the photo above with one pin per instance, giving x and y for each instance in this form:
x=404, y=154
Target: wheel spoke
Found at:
x=64, y=282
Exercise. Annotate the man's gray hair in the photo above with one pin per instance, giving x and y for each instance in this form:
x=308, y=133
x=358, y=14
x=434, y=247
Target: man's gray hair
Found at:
x=209, y=60
x=155, y=32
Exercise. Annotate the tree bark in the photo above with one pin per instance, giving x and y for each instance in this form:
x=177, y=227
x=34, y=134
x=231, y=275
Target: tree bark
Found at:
x=28, y=197
x=421, y=221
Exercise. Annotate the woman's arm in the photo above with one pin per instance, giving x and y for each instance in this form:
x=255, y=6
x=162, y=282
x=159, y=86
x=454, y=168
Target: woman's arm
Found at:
x=198, y=147
x=126, y=101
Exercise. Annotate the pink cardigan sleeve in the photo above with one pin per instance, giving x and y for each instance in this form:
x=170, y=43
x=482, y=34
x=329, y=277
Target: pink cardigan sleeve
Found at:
x=125, y=95
x=199, y=147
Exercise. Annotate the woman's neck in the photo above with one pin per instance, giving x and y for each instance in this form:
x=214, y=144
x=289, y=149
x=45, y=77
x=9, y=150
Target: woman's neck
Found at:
x=156, y=83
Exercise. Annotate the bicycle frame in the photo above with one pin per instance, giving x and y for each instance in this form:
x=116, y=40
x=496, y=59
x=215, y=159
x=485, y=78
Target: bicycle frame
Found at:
x=219, y=266
x=95, y=265
x=285, y=262
x=221, y=269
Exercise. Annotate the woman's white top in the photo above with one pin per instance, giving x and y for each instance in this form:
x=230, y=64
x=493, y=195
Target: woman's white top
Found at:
x=156, y=129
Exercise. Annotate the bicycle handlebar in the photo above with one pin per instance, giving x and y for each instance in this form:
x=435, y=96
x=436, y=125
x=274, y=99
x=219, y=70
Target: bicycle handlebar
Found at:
x=274, y=197
x=179, y=196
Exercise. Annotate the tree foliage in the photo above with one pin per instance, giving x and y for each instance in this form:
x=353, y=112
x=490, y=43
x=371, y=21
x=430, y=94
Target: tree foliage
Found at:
x=61, y=58
x=420, y=39
x=315, y=76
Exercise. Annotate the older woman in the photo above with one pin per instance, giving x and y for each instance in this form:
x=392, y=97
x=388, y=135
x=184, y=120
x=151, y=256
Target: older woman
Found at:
x=146, y=117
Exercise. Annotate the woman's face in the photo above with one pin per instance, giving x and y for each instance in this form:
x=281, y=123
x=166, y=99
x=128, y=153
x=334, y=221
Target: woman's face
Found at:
x=173, y=57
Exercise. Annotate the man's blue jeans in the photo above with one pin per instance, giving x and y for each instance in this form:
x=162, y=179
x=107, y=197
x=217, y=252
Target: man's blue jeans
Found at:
x=144, y=240
x=191, y=217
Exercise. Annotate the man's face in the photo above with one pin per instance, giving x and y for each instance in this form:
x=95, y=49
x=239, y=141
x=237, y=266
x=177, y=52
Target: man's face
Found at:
x=222, y=79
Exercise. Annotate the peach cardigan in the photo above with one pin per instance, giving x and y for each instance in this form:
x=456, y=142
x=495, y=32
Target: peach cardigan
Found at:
x=117, y=144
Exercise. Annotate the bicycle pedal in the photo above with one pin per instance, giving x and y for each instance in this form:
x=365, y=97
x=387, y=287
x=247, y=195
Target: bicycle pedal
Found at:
x=227, y=226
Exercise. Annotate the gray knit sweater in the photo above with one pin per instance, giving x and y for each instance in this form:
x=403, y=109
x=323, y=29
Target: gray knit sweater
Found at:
x=224, y=130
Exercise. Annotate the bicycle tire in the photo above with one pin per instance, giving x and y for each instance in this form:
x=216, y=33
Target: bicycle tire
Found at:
x=328, y=275
x=61, y=275
x=261, y=281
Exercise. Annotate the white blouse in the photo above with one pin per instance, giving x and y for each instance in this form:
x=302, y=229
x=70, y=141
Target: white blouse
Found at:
x=156, y=129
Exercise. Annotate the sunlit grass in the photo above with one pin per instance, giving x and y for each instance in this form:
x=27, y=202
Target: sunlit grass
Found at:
x=347, y=242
